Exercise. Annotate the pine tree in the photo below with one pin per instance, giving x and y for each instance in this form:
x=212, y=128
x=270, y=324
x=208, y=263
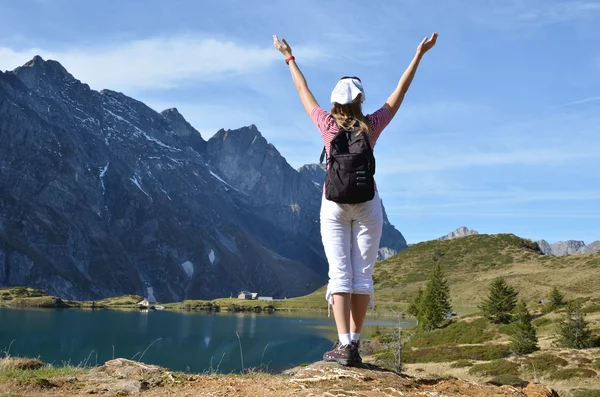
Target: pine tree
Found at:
x=435, y=302
x=524, y=338
x=500, y=303
x=573, y=330
x=556, y=298
x=415, y=304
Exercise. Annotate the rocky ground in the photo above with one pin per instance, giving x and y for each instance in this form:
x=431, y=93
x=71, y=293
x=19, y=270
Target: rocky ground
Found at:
x=122, y=377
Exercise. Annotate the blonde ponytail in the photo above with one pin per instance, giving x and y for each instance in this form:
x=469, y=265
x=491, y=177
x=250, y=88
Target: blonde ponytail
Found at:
x=345, y=115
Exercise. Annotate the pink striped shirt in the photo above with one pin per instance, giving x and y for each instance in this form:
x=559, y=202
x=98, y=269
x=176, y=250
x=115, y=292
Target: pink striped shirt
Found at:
x=328, y=128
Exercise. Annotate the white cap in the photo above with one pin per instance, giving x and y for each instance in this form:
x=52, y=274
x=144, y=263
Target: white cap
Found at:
x=346, y=90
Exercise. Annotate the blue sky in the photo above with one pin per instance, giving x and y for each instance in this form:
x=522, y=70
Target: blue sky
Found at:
x=499, y=132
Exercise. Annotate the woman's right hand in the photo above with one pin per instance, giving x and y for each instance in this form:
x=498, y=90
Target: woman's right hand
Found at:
x=282, y=46
x=427, y=44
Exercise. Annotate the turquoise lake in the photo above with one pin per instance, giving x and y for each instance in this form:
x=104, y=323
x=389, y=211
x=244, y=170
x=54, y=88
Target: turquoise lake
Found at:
x=178, y=341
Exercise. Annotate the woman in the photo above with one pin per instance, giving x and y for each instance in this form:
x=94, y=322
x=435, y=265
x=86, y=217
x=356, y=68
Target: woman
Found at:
x=350, y=232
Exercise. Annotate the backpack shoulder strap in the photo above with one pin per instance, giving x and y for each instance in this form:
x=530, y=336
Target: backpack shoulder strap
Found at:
x=323, y=153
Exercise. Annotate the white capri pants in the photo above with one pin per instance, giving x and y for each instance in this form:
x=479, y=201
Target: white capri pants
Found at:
x=351, y=235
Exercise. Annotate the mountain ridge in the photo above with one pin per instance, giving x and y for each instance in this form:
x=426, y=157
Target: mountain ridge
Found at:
x=100, y=195
x=569, y=247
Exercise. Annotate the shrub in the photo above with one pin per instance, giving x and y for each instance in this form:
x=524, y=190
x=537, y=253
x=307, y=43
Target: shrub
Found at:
x=571, y=373
x=454, y=353
x=495, y=368
x=586, y=393
x=376, y=332
x=542, y=321
x=508, y=380
x=460, y=332
x=461, y=364
x=592, y=308
x=506, y=329
x=545, y=362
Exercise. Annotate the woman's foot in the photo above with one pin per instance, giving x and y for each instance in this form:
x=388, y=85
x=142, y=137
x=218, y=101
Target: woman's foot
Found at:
x=341, y=354
x=354, y=348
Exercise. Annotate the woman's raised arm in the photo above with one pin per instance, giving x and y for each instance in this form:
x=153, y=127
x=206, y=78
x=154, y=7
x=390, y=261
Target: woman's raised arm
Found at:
x=395, y=100
x=308, y=100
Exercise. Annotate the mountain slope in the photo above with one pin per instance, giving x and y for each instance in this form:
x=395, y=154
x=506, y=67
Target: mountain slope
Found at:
x=102, y=196
x=470, y=263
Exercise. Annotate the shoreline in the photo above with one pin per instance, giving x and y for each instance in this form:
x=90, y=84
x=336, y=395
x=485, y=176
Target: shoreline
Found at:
x=30, y=298
x=227, y=310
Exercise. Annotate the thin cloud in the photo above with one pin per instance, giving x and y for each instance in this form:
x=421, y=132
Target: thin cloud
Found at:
x=582, y=101
x=159, y=62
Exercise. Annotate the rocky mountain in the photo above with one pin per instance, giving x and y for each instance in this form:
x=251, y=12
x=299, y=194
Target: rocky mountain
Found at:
x=101, y=196
x=591, y=248
x=569, y=247
x=458, y=233
x=392, y=241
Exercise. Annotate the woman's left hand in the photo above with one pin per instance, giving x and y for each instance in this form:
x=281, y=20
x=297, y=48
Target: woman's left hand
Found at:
x=427, y=44
x=282, y=46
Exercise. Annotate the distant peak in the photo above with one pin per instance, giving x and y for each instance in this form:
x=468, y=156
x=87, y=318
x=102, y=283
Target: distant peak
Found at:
x=462, y=231
x=248, y=132
x=38, y=73
x=37, y=60
x=314, y=168
x=37, y=63
x=170, y=111
x=173, y=115
x=252, y=128
x=179, y=124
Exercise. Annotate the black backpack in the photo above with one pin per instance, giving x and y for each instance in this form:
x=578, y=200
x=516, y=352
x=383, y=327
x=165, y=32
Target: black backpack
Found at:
x=350, y=167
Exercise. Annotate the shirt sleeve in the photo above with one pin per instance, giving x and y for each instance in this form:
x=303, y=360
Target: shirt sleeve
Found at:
x=378, y=121
x=324, y=122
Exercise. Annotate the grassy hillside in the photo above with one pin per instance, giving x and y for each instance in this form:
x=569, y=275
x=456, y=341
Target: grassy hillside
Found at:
x=470, y=264
x=31, y=297
x=473, y=348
